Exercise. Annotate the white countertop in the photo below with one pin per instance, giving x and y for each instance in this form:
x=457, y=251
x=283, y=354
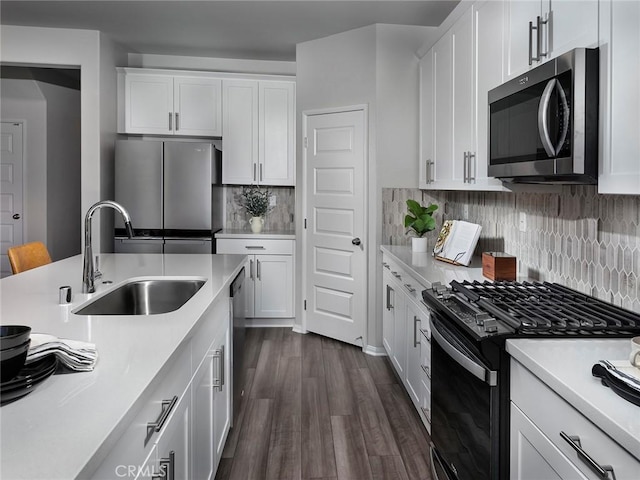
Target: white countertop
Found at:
x=565, y=366
x=265, y=234
x=59, y=430
x=426, y=269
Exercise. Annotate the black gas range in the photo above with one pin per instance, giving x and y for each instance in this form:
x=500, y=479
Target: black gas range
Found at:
x=470, y=323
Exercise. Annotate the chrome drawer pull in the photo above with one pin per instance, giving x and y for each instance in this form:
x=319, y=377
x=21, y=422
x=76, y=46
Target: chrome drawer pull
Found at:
x=426, y=370
x=409, y=287
x=152, y=427
x=426, y=334
x=416, y=320
x=386, y=265
x=396, y=274
x=601, y=471
x=254, y=247
x=167, y=468
x=389, y=291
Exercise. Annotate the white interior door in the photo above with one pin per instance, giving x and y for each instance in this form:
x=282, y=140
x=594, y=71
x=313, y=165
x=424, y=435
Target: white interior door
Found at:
x=11, y=214
x=335, y=255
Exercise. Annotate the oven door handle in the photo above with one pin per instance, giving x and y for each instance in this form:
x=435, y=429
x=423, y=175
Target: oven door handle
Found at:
x=488, y=376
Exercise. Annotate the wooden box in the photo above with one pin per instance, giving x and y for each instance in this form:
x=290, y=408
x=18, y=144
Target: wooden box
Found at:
x=498, y=266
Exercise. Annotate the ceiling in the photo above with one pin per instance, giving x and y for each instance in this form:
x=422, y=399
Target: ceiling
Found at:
x=258, y=30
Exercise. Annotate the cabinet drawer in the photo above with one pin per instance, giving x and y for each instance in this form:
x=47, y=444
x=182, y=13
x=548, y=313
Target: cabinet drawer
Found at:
x=256, y=246
x=216, y=318
x=552, y=415
x=137, y=442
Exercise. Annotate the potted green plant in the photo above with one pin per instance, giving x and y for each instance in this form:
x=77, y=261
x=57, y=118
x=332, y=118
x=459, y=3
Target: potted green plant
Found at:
x=419, y=220
x=256, y=202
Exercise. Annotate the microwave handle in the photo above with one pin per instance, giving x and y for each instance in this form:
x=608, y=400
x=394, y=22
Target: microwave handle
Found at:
x=543, y=126
x=565, y=111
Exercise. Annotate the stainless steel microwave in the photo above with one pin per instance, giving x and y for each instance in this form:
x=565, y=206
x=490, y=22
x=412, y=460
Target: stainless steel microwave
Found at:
x=543, y=125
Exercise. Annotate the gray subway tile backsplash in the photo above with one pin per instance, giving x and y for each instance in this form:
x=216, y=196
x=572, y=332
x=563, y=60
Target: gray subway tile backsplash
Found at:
x=578, y=238
x=280, y=218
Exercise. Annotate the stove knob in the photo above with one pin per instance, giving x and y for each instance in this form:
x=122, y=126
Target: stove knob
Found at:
x=481, y=318
x=491, y=325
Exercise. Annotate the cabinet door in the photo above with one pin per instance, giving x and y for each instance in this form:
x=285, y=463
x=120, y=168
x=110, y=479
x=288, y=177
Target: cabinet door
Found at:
x=276, y=121
x=249, y=286
x=443, y=93
x=619, y=98
x=518, y=15
x=388, y=311
x=203, y=432
x=273, y=286
x=149, y=104
x=533, y=455
x=488, y=19
x=426, y=119
x=222, y=395
x=463, y=95
x=571, y=24
x=198, y=106
x=399, y=349
x=416, y=319
x=240, y=132
x=174, y=445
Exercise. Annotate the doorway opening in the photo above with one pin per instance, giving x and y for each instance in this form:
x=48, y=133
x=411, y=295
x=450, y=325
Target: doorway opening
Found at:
x=46, y=102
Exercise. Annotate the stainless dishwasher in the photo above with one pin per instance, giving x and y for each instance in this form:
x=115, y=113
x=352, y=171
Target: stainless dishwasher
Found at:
x=237, y=312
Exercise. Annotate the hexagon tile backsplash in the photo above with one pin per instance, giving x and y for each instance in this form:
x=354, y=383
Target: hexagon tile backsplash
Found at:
x=578, y=238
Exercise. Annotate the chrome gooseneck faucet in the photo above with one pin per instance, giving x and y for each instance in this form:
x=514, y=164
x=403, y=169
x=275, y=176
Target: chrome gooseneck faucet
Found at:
x=88, y=272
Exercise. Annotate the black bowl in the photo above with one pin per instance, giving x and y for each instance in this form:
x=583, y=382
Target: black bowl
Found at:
x=12, y=360
x=13, y=335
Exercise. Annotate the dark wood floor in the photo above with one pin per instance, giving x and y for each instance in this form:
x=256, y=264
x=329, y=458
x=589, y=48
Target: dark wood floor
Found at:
x=315, y=408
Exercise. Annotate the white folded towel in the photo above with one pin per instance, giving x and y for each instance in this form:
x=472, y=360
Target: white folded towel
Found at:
x=73, y=354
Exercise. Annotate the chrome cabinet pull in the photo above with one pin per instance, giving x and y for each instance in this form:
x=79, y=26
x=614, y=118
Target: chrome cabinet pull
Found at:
x=254, y=247
x=251, y=269
x=538, y=29
x=471, y=178
x=429, y=171
x=385, y=265
x=530, y=43
x=258, y=269
x=177, y=122
x=409, y=287
x=601, y=471
x=170, y=121
x=219, y=355
x=427, y=371
x=254, y=172
x=397, y=275
x=260, y=172
x=465, y=163
x=153, y=427
x=426, y=172
x=416, y=320
x=389, y=290
x=426, y=334
x=167, y=468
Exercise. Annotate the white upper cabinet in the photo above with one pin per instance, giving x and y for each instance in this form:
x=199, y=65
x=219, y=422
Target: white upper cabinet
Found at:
x=619, y=98
x=162, y=104
x=456, y=75
x=240, y=132
x=258, y=132
x=537, y=31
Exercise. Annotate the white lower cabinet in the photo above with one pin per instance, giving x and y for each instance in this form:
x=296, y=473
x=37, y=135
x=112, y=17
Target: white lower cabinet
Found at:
x=268, y=274
x=180, y=429
x=551, y=439
x=406, y=335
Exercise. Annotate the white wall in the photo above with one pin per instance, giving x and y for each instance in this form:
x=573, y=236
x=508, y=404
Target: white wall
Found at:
x=375, y=66
x=22, y=100
x=96, y=57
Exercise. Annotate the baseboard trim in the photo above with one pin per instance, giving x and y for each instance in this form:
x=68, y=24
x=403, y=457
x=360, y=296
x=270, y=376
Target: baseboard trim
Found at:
x=268, y=322
x=375, y=351
x=298, y=329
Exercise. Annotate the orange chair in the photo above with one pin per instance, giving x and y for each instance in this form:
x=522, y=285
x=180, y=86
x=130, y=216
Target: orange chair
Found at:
x=28, y=256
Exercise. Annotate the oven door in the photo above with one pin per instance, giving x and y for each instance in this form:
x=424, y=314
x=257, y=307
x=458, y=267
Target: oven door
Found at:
x=464, y=408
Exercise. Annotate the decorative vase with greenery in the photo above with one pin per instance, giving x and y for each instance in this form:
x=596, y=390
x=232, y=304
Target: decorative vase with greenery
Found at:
x=420, y=220
x=256, y=202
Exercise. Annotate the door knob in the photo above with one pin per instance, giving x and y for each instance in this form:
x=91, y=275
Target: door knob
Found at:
x=16, y=216
x=356, y=241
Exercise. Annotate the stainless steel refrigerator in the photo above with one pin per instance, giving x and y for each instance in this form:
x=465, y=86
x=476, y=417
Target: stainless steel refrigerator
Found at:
x=173, y=192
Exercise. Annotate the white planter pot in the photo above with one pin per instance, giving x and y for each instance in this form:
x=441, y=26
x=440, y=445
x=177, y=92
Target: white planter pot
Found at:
x=419, y=244
x=256, y=224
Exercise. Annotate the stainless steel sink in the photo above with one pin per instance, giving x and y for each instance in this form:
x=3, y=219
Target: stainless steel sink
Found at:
x=144, y=297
